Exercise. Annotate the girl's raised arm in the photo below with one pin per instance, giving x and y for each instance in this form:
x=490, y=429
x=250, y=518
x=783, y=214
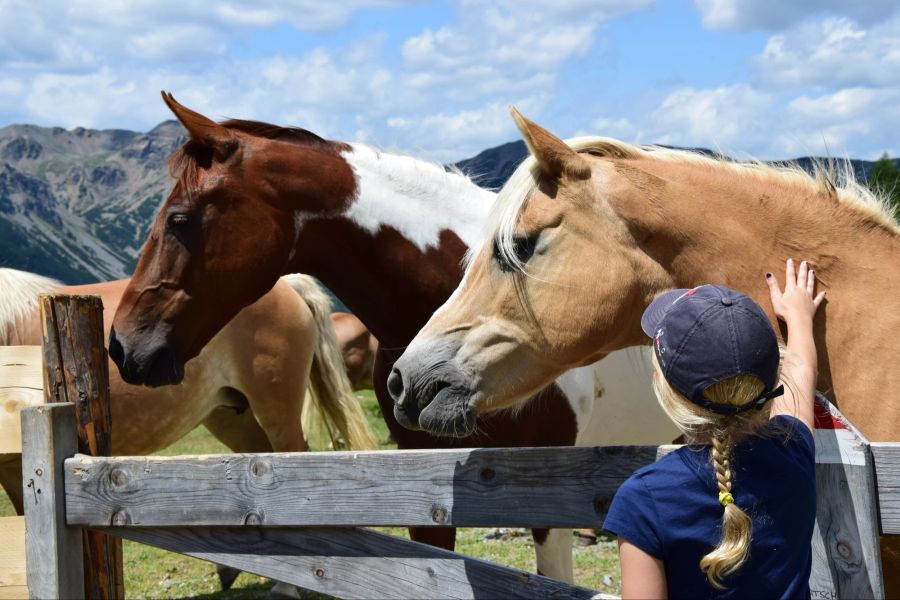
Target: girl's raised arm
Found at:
x=796, y=306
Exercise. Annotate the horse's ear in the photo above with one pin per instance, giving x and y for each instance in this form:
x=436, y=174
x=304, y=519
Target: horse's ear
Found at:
x=203, y=130
x=554, y=156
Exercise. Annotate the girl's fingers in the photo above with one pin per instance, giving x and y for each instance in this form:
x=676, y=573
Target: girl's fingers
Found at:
x=774, y=288
x=802, y=273
x=811, y=282
x=789, y=275
x=818, y=299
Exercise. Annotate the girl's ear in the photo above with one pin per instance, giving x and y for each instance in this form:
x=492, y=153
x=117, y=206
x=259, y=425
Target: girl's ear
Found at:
x=554, y=156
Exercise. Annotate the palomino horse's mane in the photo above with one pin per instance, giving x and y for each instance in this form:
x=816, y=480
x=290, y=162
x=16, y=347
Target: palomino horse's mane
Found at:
x=836, y=179
x=18, y=298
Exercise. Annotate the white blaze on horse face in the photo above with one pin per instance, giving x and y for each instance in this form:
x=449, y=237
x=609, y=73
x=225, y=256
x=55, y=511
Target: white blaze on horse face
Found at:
x=417, y=198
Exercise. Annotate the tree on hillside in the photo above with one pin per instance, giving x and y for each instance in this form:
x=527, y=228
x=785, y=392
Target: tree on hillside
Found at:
x=885, y=177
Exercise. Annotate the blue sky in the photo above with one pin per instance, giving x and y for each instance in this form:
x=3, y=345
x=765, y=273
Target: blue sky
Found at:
x=765, y=78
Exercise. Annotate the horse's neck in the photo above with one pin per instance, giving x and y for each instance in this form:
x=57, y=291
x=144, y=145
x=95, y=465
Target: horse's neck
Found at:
x=417, y=198
x=393, y=255
x=703, y=224
x=732, y=228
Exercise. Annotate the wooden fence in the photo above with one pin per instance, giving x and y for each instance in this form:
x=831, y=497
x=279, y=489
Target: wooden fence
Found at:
x=298, y=517
x=21, y=386
x=69, y=366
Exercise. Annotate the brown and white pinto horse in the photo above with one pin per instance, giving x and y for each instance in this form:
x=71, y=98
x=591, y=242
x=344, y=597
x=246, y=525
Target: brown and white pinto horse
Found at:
x=386, y=233
x=247, y=386
x=635, y=221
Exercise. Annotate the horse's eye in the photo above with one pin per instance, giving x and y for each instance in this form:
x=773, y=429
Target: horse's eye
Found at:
x=178, y=219
x=523, y=247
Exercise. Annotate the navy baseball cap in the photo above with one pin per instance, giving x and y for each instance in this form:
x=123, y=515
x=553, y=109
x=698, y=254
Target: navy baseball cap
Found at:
x=710, y=333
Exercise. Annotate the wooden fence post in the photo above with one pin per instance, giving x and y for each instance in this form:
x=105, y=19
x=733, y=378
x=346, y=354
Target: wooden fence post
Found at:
x=76, y=370
x=54, y=563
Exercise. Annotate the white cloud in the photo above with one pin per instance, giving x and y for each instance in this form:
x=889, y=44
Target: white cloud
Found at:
x=507, y=45
x=316, y=90
x=832, y=53
x=864, y=119
x=774, y=15
x=748, y=123
x=444, y=93
x=85, y=34
x=724, y=117
x=102, y=63
x=306, y=15
x=620, y=128
x=455, y=135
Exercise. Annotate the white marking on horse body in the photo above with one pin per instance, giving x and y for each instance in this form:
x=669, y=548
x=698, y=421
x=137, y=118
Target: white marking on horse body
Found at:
x=579, y=387
x=300, y=218
x=417, y=198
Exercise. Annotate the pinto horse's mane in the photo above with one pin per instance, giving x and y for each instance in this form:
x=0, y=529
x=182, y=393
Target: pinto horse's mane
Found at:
x=835, y=179
x=184, y=162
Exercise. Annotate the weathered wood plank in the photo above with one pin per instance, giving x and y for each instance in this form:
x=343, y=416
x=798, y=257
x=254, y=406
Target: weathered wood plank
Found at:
x=354, y=563
x=21, y=366
x=77, y=371
x=846, y=555
x=14, y=592
x=514, y=487
x=21, y=385
x=12, y=552
x=887, y=476
x=54, y=554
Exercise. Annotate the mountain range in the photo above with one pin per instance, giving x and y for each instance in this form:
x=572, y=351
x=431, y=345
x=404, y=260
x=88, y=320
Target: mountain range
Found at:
x=77, y=204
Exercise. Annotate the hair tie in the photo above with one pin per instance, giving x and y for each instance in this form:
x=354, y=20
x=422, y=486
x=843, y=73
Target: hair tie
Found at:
x=725, y=498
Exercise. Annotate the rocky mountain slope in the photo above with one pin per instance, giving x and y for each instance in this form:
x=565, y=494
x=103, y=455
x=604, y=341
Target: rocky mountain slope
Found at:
x=77, y=205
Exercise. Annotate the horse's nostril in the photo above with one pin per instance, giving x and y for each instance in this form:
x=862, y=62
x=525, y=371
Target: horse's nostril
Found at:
x=116, y=351
x=395, y=386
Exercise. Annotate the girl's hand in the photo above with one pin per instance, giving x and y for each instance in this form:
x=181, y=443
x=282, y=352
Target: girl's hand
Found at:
x=799, y=301
x=796, y=306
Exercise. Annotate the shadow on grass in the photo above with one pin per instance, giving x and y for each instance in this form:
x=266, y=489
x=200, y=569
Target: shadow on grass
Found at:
x=252, y=591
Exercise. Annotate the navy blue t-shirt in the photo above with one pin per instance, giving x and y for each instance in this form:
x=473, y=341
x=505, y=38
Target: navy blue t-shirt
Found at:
x=670, y=510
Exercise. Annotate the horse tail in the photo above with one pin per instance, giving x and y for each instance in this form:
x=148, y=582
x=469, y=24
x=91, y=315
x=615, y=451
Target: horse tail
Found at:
x=330, y=390
x=18, y=300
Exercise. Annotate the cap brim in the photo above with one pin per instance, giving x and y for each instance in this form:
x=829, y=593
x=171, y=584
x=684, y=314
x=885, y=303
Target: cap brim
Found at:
x=658, y=309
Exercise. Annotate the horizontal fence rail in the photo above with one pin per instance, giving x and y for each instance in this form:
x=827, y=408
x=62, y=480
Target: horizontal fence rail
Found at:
x=502, y=487
x=354, y=563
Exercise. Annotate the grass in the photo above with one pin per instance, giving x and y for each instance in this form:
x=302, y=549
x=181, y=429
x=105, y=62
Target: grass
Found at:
x=154, y=573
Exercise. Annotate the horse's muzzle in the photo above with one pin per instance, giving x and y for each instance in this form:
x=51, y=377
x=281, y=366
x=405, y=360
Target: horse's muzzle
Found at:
x=432, y=396
x=153, y=364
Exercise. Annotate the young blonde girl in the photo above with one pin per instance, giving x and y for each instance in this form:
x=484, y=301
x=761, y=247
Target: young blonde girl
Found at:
x=730, y=515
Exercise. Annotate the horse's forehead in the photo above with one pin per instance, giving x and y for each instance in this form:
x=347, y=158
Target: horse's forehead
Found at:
x=540, y=210
x=547, y=204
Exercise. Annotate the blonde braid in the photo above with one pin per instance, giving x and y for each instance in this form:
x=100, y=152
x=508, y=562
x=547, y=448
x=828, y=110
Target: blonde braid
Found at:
x=734, y=547
x=722, y=430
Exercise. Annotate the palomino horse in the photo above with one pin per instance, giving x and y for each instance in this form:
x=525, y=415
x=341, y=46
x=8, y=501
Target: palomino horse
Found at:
x=358, y=347
x=633, y=222
x=385, y=233
x=247, y=386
